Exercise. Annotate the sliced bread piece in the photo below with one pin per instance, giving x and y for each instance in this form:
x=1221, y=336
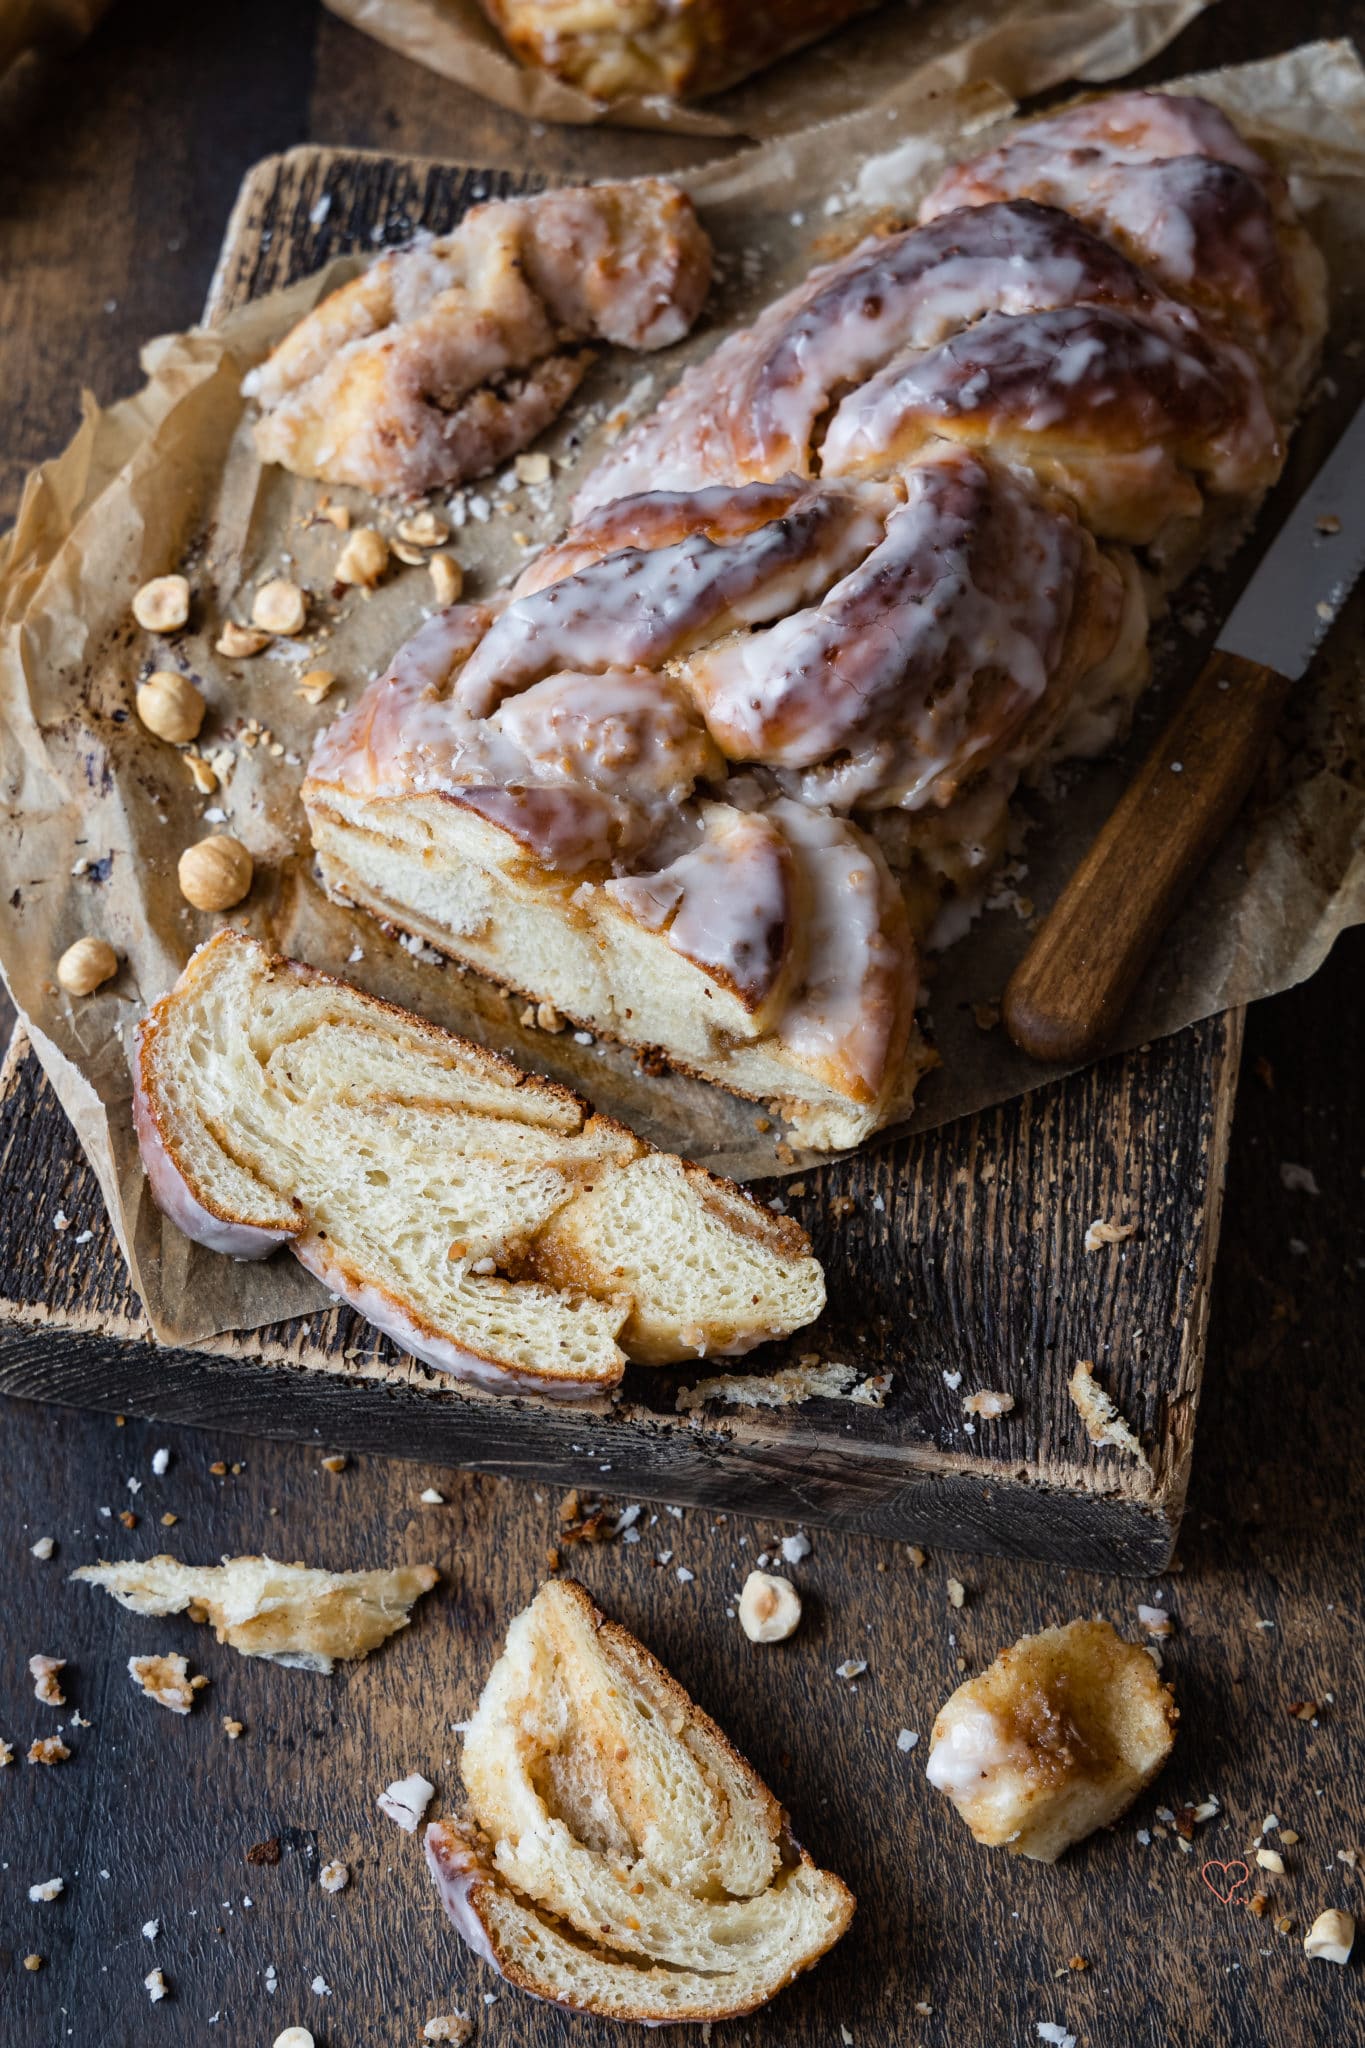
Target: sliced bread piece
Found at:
x=488, y=1221
x=618, y=1856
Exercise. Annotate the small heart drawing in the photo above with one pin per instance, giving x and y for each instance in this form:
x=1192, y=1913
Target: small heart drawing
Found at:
x=1234, y=1884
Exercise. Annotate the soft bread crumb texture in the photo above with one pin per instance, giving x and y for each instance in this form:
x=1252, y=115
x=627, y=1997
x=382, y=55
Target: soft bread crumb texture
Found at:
x=289, y=1613
x=618, y=1856
x=490, y=1222
x=1054, y=1740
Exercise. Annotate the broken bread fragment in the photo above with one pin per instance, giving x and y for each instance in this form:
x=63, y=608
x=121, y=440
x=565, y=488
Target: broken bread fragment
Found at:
x=489, y=1222
x=618, y=1857
x=443, y=358
x=1054, y=1740
x=292, y=1614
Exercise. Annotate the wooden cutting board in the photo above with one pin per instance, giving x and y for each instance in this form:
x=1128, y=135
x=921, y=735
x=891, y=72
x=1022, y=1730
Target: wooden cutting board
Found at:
x=955, y=1259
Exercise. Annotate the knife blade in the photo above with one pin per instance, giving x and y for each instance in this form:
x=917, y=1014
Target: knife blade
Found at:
x=1065, y=999
x=1306, y=574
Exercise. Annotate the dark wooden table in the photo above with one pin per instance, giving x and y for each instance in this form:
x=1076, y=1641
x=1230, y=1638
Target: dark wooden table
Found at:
x=118, y=166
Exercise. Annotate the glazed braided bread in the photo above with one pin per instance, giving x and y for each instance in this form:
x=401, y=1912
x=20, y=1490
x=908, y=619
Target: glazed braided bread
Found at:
x=748, y=733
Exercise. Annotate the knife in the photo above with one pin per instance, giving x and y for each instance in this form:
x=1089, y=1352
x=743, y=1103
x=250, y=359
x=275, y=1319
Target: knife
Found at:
x=1067, y=995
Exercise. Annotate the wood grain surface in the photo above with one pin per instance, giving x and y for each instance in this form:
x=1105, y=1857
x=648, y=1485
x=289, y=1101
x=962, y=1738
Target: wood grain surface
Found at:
x=955, y=1258
x=136, y=143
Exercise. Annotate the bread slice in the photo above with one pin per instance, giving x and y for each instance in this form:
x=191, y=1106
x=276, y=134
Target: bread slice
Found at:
x=1054, y=1740
x=489, y=1222
x=618, y=1856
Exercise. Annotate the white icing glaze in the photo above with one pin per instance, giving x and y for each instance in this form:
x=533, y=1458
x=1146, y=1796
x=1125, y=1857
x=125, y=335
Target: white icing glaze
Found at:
x=968, y=1750
x=455, y=1870
x=920, y=662
x=728, y=903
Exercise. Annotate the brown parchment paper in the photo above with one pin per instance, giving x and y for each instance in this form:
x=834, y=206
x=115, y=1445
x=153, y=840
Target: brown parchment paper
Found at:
x=905, y=47
x=96, y=811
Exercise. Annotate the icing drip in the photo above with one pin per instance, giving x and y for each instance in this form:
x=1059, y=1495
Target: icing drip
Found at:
x=921, y=662
x=640, y=607
x=728, y=904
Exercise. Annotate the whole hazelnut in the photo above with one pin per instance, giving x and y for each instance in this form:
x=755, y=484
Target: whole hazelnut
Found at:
x=364, y=558
x=279, y=607
x=216, y=873
x=169, y=705
x=163, y=605
x=769, y=1608
x=86, y=965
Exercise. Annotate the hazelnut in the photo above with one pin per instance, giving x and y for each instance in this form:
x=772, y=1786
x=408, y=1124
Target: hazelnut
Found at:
x=169, y=705
x=364, y=558
x=424, y=530
x=216, y=873
x=163, y=605
x=769, y=1608
x=1330, y=1937
x=86, y=965
x=447, y=578
x=239, y=642
x=279, y=607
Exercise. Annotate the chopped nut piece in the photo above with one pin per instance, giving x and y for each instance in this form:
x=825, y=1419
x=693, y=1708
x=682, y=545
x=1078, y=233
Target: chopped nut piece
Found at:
x=1328, y=522
x=1259, y=1904
x=86, y=966
x=334, y=1877
x=411, y=557
x=170, y=706
x=918, y=1558
x=957, y=1593
x=264, y=1855
x=43, y=1894
x=987, y=1403
x=239, y=643
x=43, y=1548
x=46, y=1685
x=157, y=1987
x=168, y=1520
x=447, y=581
x=424, y=530
x=1284, y=1925
x=769, y=1608
x=1271, y=1859
x=216, y=873
x=1303, y=1710
x=1289, y=1836
x=165, y=1680
x=203, y=777
x=1330, y=1938
x=128, y=1518
x=364, y=558
x=852, y=1667
x=335, y=1463
x=533, y=468
x=163, y=605
x=6, y=1753
x=33, y=1962
x=48, y=1749
x=335, y=515
x=279, y=607
x=315, y=685
x=232, y=1729
x=1101, y=1233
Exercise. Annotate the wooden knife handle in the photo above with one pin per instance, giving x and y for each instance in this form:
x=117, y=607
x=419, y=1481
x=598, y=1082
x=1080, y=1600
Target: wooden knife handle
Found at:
x=1065, y=998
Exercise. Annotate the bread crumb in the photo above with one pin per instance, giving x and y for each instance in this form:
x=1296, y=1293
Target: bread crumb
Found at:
x=48, y=1749
x=451, y=2026
x=165, y=1680
x=987, y=1403
x=787, y=1387
x=157, y=1987
x=46, y=1686
x=334, y=1877
x=1102, y=1420
x=406, y=1800
x=1101, y=1233
x=232, y=1729
x=43, y=1894
x=43, y=1548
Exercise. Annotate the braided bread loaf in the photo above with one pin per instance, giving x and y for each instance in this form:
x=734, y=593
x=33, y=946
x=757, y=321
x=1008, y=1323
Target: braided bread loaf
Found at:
x=747, y=734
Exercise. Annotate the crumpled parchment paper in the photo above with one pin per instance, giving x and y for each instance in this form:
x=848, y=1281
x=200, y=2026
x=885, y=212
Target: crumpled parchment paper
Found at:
x=905, y=47
x=97, y=811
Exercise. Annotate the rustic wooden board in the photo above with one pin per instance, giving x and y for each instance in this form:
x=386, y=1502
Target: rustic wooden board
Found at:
x=962, y=1253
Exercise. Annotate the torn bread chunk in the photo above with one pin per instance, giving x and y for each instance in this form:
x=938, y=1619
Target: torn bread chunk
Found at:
x=1054, y=1740
x=289, y=1613
x=618, y=1856
x=489, y=1222
x=1104, y=1425
x=442, y=359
